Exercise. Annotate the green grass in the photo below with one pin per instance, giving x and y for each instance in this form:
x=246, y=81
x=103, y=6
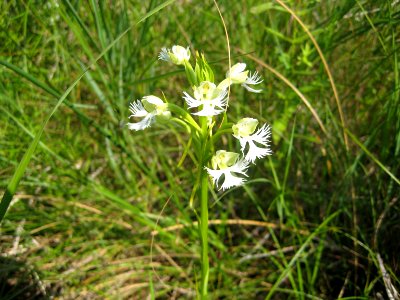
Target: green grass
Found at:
x=87, y=193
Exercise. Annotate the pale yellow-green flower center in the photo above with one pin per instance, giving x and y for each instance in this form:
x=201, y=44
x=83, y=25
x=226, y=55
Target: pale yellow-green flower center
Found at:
x=205, y=91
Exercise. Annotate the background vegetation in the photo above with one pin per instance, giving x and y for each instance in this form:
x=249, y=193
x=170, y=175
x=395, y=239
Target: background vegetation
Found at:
x=80, y=224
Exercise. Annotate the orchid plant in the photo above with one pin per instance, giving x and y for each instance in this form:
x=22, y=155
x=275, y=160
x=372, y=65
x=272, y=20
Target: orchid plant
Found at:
x=208, y=101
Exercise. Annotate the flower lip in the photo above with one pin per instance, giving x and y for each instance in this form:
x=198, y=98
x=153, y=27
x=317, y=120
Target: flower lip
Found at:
x=252, y=80
x=137, y=109
x=164, y=54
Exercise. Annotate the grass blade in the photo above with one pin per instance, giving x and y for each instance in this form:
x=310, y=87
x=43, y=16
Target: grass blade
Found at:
x=19, y=172
x=299, y=253
x=381, y=165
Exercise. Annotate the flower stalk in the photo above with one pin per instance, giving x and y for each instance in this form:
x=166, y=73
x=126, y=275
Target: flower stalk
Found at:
x=203, y=224
x=203, y=230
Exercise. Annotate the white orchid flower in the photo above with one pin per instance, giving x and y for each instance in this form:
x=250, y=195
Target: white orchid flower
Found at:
x=212, y=100
x=149, y=107
x=239, y=75
x=229, y=164
x=178, y=55
x=244, y=132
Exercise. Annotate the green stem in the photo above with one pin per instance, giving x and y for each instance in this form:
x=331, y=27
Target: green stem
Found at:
x=203, y=228
x=203, y=224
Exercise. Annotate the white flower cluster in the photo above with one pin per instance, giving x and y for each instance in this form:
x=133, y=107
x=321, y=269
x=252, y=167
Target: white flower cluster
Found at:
x=209, y=100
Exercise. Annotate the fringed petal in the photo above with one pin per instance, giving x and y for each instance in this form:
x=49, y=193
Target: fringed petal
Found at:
x=143, y=124
x=137, y=109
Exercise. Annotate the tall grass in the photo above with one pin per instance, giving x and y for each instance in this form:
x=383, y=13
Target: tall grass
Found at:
x=320, y=220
